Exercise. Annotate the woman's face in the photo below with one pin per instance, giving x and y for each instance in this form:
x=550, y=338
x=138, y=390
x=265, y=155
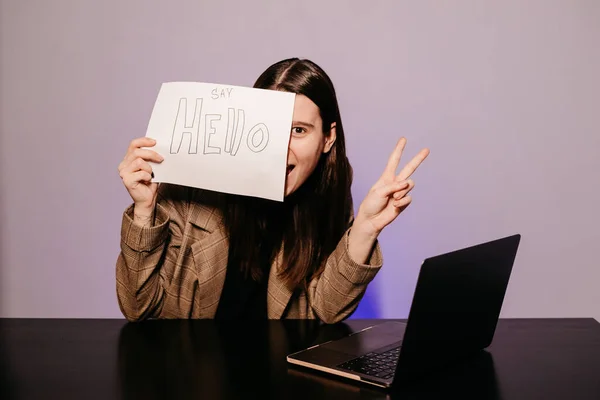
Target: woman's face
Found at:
x=307, y=143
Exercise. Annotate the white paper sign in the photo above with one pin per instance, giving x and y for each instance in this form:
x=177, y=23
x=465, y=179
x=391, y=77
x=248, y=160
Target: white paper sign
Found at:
x=224, y=138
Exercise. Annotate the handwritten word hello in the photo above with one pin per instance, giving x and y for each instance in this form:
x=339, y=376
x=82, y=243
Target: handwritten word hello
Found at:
x=257, y=138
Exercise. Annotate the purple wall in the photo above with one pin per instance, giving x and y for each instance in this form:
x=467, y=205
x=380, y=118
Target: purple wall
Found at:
x=504, y=93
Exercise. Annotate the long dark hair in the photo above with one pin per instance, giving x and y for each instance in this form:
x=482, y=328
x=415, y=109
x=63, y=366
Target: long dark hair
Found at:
x=311, y=221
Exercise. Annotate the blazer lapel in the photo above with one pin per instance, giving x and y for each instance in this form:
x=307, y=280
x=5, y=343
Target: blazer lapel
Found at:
x=210, y=256
x=278, y=294
x=210, y=253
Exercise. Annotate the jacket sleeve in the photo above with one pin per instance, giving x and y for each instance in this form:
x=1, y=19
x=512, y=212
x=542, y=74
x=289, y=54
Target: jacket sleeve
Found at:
x=335, y=294
x=146, y=253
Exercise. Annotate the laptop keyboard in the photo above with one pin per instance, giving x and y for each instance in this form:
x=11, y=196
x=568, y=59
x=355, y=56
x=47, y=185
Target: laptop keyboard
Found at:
x=380, y=365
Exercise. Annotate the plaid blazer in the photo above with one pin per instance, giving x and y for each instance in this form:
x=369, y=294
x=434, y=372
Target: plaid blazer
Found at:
x=176, y=268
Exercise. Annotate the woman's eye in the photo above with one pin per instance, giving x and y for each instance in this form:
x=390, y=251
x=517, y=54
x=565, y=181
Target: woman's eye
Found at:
x=298, y=130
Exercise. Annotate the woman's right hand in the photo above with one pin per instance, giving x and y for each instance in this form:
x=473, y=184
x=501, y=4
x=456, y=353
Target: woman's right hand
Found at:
x=136, y=174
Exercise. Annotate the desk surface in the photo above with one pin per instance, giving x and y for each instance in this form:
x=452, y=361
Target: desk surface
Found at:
x=106, y=359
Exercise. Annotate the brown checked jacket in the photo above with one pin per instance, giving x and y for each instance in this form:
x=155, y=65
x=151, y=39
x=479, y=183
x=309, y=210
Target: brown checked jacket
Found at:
x=176, y=268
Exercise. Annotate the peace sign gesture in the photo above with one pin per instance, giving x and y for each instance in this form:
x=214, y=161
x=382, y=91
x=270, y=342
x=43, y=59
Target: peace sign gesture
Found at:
x=389, y=196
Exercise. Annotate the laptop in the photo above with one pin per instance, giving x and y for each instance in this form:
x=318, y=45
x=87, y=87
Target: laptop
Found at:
x=453, y=315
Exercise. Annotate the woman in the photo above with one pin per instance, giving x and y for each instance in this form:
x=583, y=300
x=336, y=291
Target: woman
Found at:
x=191, y=253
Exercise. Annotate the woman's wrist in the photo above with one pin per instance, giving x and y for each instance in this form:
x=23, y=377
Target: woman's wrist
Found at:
x=364, y=228
x=143, y=215
x=361, y=241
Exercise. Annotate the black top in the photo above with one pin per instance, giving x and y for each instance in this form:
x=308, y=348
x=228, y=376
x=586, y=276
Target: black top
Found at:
x=243, y=297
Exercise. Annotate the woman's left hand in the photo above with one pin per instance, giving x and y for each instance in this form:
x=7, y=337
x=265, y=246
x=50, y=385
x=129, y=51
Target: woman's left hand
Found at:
x=389, y=196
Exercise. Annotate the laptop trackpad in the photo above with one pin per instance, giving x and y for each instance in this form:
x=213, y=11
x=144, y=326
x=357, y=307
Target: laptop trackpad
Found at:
x=372, y=339
x=321, y=356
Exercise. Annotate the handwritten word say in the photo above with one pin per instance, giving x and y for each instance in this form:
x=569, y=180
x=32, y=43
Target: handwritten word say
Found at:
x=219, y=134
x=216, y=94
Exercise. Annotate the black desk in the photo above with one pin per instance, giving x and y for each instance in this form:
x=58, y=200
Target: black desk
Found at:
x=107, y=359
